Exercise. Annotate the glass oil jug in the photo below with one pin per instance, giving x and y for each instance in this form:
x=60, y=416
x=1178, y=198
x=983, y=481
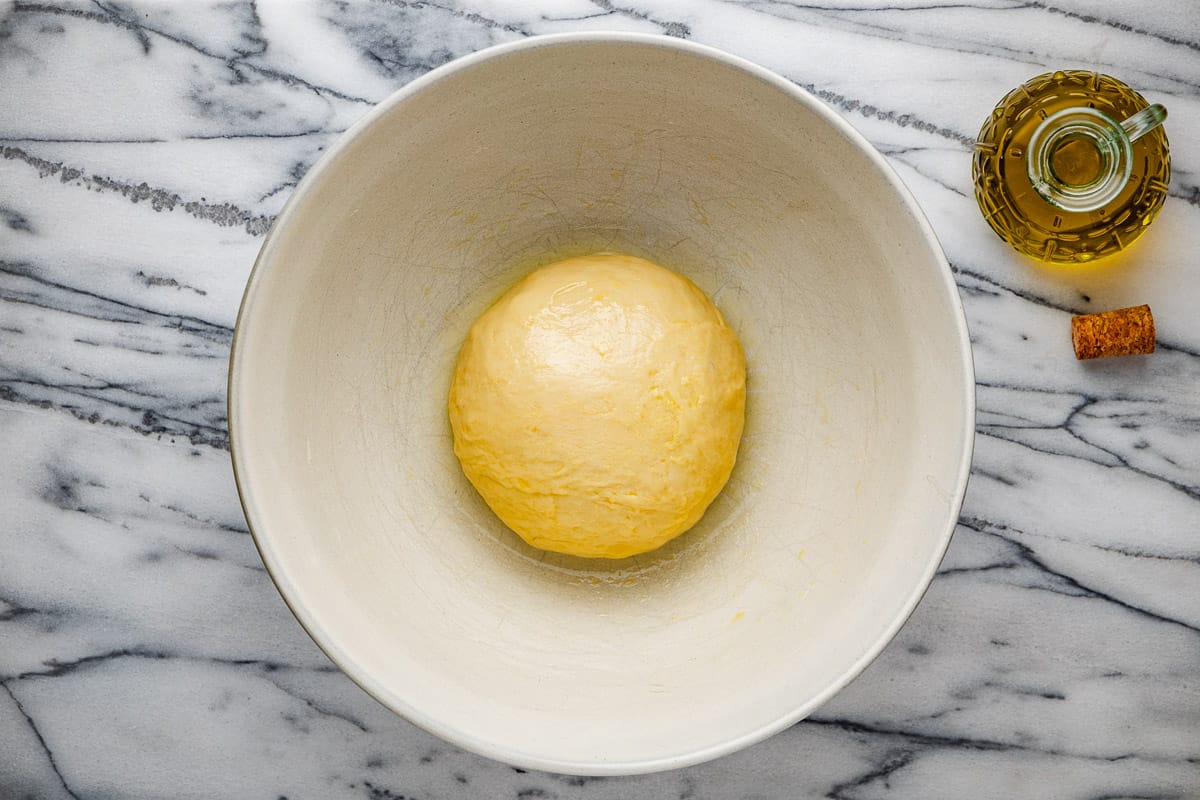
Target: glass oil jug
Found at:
x=1072, y=166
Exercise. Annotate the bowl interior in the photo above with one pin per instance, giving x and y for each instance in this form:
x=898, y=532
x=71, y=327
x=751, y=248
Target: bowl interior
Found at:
x=852, y=464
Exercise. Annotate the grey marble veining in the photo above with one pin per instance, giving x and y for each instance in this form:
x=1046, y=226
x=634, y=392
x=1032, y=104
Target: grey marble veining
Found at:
x=144, y=653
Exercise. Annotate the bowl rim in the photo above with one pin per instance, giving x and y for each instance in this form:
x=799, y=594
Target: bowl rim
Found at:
x=497, y=750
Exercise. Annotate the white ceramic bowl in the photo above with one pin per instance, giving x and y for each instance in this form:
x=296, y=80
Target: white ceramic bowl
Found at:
x=859, y=423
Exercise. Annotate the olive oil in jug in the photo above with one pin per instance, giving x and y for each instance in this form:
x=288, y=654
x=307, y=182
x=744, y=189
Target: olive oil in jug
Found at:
x=1072, y=166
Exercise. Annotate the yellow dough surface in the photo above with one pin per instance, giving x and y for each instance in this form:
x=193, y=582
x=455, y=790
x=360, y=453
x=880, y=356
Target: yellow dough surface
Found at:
x=598, y=405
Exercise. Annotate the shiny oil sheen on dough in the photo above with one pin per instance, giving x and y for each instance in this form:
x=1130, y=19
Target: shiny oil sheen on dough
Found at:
x=598, y=405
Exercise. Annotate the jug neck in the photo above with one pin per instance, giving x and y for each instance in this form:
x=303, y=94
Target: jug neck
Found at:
x=1079, y=159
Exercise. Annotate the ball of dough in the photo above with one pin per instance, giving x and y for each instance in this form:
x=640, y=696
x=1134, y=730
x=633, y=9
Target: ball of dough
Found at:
x=598, y=405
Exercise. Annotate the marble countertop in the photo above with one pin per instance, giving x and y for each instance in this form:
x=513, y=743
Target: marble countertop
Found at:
x=144, y=653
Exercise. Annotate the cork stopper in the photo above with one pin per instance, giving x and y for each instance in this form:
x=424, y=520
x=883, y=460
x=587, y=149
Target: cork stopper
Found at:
x=1123, y=332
